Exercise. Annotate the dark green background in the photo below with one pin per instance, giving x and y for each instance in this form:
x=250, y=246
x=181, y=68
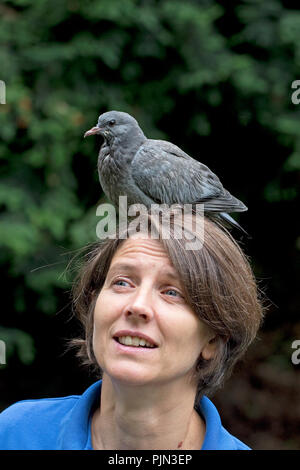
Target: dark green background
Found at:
x=214, y=78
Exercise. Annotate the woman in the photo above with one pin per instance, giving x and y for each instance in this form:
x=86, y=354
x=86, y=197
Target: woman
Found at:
x=165, y=325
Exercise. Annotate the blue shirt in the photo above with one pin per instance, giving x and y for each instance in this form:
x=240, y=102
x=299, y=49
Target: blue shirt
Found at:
x=65, y=424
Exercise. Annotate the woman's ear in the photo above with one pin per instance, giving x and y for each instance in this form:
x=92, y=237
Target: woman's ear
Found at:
x=94, y=294
x=209, y=350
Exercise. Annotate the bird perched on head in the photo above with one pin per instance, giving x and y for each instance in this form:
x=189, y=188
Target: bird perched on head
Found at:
x=150, y=171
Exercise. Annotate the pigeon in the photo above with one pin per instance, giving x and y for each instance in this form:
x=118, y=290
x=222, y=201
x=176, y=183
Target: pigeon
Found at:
x=150, y=171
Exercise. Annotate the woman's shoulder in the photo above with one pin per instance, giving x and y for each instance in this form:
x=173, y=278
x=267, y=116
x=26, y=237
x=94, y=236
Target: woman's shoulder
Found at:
x=49, y=423
x=216, y=436
x=33, y=407
x=33, y=418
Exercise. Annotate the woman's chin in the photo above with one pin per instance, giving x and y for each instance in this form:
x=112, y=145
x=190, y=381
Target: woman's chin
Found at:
x=129, y=375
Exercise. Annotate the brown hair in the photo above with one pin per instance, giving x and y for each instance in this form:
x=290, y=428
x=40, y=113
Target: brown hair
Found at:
x=219, y=286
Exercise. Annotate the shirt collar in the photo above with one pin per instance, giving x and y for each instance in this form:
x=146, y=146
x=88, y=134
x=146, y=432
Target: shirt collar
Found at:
x=75, y=431
x=212, y=423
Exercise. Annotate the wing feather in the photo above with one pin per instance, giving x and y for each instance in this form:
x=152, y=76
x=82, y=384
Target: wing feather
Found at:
x=168, y=175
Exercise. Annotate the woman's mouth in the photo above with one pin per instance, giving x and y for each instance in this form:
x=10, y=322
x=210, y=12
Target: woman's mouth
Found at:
x=134, y=341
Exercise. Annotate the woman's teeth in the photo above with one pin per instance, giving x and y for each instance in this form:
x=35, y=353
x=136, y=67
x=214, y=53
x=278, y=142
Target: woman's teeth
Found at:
x=134, y=341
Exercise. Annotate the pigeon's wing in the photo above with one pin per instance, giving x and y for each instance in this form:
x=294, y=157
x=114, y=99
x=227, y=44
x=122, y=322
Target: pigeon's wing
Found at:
x=168, y=175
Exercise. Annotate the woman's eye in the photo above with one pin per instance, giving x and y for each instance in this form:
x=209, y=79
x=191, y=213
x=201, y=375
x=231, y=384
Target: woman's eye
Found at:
x=120, y=282
x=174, y=293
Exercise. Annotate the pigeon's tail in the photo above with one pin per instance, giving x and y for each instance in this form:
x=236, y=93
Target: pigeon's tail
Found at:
x=229, y=222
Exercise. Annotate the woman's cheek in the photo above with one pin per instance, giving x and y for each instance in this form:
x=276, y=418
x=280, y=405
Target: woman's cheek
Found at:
x=107, y=310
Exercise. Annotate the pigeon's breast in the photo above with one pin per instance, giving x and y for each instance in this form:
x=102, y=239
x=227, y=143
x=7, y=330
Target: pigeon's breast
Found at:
x=116, y=180
x=110, y=175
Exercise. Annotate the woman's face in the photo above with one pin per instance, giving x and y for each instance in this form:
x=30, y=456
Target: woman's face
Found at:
x=142, y=295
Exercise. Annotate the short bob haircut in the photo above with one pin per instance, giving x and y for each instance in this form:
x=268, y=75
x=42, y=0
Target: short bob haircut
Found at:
x=218, y=284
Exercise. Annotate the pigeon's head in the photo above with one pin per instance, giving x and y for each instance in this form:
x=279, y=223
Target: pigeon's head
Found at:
x=115, y=125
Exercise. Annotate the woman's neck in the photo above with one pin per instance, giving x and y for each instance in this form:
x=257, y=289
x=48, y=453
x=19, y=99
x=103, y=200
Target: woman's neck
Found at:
x=147, y=417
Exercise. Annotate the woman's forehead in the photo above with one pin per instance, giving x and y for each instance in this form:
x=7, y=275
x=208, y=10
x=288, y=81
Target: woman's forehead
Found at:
x=139, y=254
x=137, y=246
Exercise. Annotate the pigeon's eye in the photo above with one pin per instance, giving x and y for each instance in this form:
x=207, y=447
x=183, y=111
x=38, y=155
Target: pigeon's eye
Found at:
x=112, y=122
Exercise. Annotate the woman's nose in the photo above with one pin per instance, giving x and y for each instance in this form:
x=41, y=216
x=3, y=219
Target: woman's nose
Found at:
x=140, y=305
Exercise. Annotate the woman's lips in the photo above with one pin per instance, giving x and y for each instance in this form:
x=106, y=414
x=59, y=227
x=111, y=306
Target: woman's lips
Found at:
x=134, y=333
x=132, y=349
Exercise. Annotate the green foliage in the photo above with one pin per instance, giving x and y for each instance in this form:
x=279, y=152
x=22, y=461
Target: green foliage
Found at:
x=66, y=61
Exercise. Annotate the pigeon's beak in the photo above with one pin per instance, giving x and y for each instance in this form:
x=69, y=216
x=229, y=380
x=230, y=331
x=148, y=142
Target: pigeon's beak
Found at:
x=94, y=130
